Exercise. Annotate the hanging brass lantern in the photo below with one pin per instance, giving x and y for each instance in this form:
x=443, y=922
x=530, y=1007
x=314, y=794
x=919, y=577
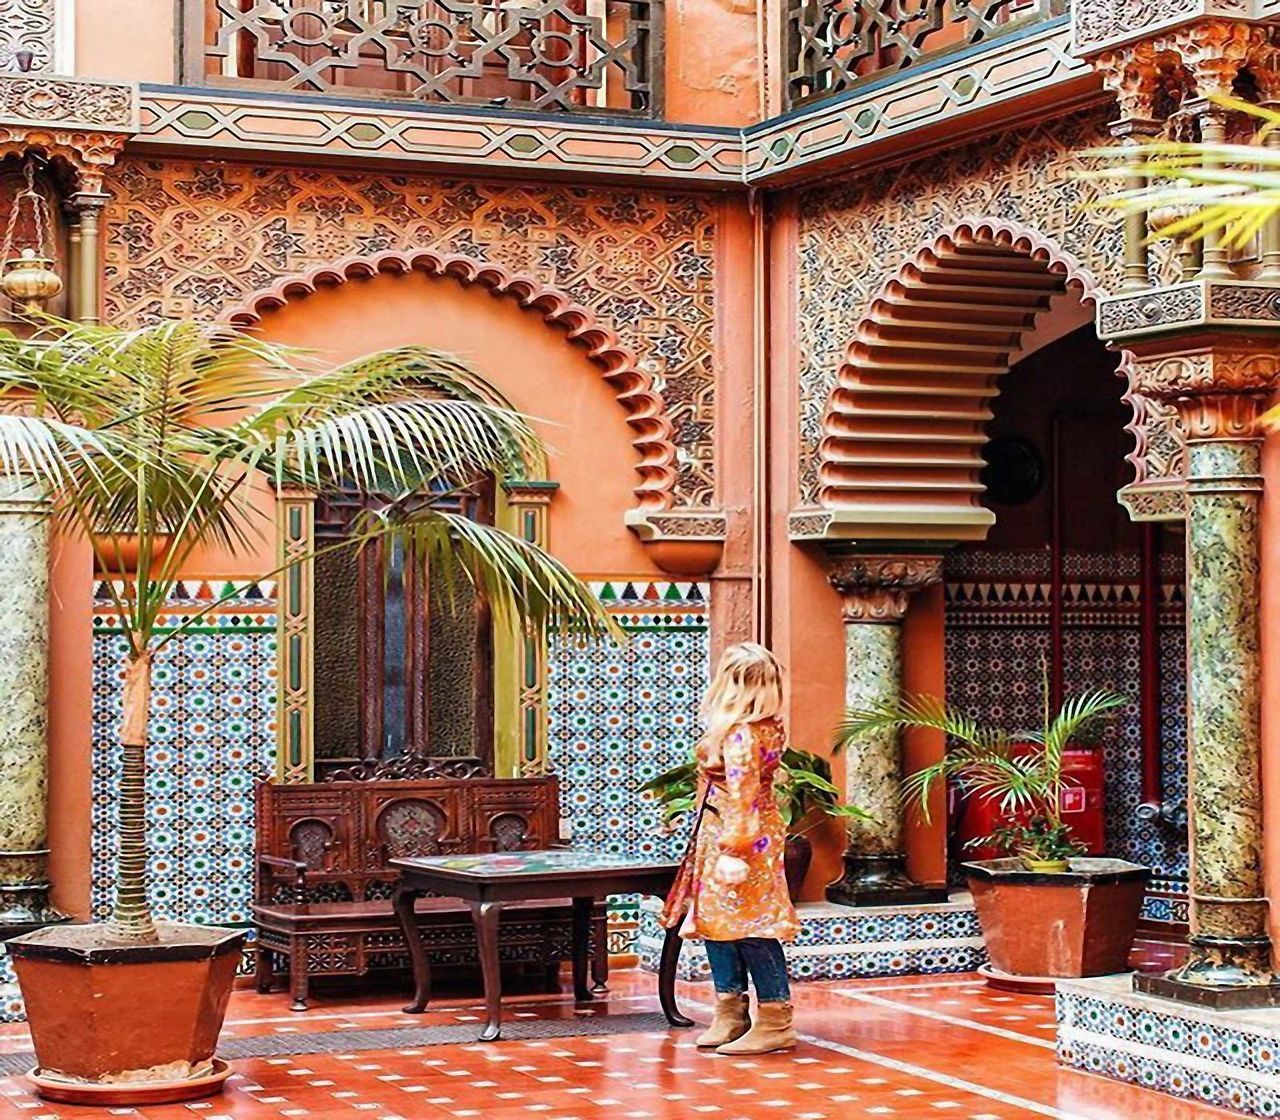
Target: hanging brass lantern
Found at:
x=27, y=273
x=30, y=281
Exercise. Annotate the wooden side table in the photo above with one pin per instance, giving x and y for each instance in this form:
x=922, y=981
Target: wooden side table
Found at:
x=488, y=881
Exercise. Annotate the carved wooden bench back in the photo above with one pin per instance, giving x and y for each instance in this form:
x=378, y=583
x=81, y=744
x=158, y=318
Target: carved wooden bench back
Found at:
x=346, y=831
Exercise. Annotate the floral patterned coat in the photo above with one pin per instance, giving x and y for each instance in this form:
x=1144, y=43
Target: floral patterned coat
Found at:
x=742, y=819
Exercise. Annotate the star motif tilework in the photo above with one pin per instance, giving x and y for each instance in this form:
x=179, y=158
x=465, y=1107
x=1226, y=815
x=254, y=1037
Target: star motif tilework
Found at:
x=619, y=716
x=212, y=739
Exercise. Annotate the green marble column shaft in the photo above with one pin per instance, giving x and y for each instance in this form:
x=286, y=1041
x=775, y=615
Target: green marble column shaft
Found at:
x=24, y=692
x=873, y=766
x=875, y=590
x=1224, y=700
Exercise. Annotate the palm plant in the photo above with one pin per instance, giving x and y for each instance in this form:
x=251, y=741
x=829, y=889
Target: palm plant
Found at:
x=155, y=442
x=1205, y=188
x=803, y=787
x=994, y=765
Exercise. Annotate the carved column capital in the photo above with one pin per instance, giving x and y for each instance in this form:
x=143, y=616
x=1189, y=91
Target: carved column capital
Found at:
x=877, y=588
x=1219, y=392
x=1132, y=73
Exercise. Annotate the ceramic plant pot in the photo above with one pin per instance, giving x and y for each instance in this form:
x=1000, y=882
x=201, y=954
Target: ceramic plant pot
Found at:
x=122, y=1018
x=797, y=856
x=1078, y=922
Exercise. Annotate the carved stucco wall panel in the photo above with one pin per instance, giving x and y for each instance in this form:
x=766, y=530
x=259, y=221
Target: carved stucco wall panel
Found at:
x=191, y=238
x=29, y=25
x=856, y=235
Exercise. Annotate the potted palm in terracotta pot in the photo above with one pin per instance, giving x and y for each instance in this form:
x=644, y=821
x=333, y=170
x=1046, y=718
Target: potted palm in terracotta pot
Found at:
x=171, y=438
x=1045, y=910
x=806, y=797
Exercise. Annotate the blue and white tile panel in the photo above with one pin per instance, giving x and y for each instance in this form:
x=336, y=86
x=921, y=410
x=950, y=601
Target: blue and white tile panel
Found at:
x=842, y=943
x=1230, y=1059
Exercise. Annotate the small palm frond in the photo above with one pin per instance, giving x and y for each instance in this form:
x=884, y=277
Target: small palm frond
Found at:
x=1075, y=715
x=1231, y=189
x=916, y=711
x=520, y=582
x=388, y=422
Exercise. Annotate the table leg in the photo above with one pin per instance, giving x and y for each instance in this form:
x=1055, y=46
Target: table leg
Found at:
x=582, y=908
x=486, y=915
x=667, y=978
x=404, y=900
x=600, y=950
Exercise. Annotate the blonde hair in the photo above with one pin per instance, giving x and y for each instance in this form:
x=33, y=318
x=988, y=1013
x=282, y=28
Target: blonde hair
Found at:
x=747, y=687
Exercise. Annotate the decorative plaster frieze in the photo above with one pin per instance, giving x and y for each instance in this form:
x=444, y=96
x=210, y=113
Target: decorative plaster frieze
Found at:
x=1197, y=303
x=220, y=121
x=677, y=524
x=1098, y=25
x=68, y=103
x=1004, y=72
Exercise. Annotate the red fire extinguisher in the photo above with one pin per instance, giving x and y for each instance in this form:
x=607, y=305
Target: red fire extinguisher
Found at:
x=1082, y=804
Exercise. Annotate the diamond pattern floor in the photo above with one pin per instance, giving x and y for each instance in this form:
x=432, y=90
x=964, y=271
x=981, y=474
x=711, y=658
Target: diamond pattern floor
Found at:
x=896, y=1049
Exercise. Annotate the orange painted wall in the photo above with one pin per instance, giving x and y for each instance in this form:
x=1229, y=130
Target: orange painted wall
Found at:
x=70, y=731
x=129, y=40
x=532, y=363
x=711, y=71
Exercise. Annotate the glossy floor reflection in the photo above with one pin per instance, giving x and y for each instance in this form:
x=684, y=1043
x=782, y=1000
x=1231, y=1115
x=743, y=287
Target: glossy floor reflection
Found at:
x=944, y=1046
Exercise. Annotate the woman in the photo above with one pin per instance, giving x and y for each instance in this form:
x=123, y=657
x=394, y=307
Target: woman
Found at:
x=732, y=881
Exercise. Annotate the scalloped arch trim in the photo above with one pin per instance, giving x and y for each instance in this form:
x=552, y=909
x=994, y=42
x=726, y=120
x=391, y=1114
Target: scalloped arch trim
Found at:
x=904, y=426
x=646, y=411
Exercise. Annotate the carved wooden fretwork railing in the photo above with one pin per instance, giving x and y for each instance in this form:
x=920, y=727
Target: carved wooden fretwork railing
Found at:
x=570, y=55
x=834, y=45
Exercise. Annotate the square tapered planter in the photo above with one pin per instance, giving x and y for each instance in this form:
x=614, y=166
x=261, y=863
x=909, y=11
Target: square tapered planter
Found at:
x=1074, y=923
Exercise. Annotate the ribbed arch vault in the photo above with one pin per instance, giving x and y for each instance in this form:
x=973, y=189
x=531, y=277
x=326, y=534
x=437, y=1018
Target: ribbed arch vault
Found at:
x=905, y=424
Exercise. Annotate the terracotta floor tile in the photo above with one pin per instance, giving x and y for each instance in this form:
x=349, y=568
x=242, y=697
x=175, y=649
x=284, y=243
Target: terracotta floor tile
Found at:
x=897, y=1049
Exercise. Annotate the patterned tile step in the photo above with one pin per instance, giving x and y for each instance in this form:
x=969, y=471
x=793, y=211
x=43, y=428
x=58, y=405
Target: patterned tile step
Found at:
x=11, y=1009
x=1225, y=1058
x=840, y=942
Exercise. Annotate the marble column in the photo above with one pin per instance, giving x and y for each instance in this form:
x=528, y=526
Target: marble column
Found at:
x=875, y=591
x=24, y=686
x=1230, y=963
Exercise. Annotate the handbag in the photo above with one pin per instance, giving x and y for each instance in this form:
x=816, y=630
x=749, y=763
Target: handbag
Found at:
x=680, y=896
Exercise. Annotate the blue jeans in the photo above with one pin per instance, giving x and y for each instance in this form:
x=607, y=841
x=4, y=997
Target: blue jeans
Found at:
x=759, y=957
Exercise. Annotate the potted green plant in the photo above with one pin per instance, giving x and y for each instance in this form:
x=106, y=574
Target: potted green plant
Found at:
x=1044, y=910
x=159, y=439
x=804, y=790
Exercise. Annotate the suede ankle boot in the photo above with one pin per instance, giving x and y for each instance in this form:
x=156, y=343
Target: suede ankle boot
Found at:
x=730, y=1021
x=772, y=1030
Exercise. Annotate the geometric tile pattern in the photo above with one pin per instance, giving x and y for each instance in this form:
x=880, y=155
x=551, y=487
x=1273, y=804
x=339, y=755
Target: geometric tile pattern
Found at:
x=840, y=942
x=1229, y=1059
x=11, y=1010
x=620, y=715
x=196, y=239
x=997, y=631
x=212, y=737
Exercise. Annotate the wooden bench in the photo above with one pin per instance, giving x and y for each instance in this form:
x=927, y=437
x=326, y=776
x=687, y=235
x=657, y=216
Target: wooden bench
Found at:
x=323, y=890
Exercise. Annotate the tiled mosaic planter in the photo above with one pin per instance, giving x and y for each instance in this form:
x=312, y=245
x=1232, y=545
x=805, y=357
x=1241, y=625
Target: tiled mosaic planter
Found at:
x=839, y=942
x=1226, y=1058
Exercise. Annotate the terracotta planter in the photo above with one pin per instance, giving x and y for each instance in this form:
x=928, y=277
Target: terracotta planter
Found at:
x=114, y=553
x=796, y=858
x=1075, y=923
x=111, y=1013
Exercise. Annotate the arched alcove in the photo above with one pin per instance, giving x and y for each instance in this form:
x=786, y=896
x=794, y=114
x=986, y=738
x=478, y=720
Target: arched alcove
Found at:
x=905, y=425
